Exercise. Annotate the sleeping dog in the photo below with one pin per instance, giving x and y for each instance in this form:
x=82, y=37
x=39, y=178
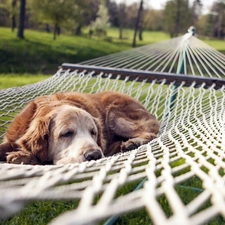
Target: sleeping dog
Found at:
x=76, y=127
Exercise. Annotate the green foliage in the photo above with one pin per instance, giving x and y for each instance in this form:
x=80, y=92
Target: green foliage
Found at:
x=53, y=11
x=69, y=15
x=7, y=5
x=153, y=19
x=101, y=23
x=177, y=17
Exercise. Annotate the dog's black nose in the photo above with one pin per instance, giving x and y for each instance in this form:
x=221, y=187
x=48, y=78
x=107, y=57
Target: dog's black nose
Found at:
x=92, y=155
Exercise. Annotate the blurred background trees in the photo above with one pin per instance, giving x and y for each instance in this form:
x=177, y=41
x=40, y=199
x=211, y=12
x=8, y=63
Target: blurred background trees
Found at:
x=57, y=16
x=101, y=23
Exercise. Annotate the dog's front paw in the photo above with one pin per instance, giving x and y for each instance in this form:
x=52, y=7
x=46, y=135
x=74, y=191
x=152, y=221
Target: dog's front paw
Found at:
x=134, y=143
x=21, y=158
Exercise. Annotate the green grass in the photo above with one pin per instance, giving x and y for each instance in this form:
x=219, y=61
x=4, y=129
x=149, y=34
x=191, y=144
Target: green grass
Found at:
x=149, y=37
x=40, y=212
x=17, y=80
x=219, y=45
x=38, y=53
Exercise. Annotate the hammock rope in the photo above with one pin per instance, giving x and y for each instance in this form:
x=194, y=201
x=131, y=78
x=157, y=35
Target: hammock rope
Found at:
x=181, y=173
x=200, y=59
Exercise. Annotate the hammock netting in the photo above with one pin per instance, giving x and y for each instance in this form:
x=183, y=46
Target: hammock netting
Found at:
x=177, y=178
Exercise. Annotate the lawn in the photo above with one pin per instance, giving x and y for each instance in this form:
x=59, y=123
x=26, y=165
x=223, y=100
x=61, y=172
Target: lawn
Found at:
x=219, y=45
x=38, y=53
x=17, y=80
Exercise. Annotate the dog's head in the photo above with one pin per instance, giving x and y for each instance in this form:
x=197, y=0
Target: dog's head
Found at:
x=67, y=134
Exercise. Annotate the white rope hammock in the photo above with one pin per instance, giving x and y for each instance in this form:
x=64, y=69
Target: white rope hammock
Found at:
x=199, y=59
x=179, y=176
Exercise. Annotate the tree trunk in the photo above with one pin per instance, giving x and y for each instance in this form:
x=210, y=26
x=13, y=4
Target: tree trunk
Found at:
x=177, y=25
x=20, y=33
x=220, y=21
x=47, y=28
x=13, y=15
x=58, y=30
x=137, y=23
x=78, y=29
x=121, y=19
x=13, y=23
x=140, y=33
x=55, y=31
x=121, y=31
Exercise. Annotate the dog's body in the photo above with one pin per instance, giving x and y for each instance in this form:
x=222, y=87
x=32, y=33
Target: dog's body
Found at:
x=74, y=127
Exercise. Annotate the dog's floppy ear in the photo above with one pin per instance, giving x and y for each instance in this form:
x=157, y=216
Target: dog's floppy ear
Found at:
x=120, y=124
x=100, y=139
x=35, y=140
x=20, y=123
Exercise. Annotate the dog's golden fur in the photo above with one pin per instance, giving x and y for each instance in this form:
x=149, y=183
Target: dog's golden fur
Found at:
x=76, y=127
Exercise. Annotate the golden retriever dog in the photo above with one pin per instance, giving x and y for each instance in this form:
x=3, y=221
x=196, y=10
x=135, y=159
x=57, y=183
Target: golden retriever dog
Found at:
x=76, y=127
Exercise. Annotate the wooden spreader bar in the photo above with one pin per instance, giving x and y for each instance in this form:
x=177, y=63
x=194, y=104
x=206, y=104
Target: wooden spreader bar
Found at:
x=149, y=76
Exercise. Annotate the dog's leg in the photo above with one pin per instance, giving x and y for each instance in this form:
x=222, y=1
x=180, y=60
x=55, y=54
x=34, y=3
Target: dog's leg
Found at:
x=134, y=143
x=4, y=149
x=114, y=148
x=136, y=131
x=21, y=157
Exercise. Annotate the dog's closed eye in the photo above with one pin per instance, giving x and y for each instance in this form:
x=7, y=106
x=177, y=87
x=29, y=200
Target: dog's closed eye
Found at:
x=66, y=134
x=93, y=132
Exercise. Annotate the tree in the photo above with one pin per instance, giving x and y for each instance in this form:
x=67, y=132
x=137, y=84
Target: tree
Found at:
x=196, y=11
x=218, y=15
x=20, y=33
x=153, y=19
x=14, y=13
x=100, y=25
x=177, y=17
x=113, y=9
x=71, y=15
x=54, y=12
x=121, y=19
x=203, y=25
x=137, y=24
x=85, y=12
x=12, y=9
x=169, y=18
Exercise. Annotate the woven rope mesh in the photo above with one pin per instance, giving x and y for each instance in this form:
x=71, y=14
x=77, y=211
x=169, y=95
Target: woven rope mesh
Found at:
x=177, y=178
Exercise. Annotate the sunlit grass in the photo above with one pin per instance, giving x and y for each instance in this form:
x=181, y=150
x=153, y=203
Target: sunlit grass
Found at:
x=219, y=45
x=38, y=53
x=15, y=80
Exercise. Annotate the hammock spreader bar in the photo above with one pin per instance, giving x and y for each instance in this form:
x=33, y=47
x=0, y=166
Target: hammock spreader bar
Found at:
x=146, y=75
